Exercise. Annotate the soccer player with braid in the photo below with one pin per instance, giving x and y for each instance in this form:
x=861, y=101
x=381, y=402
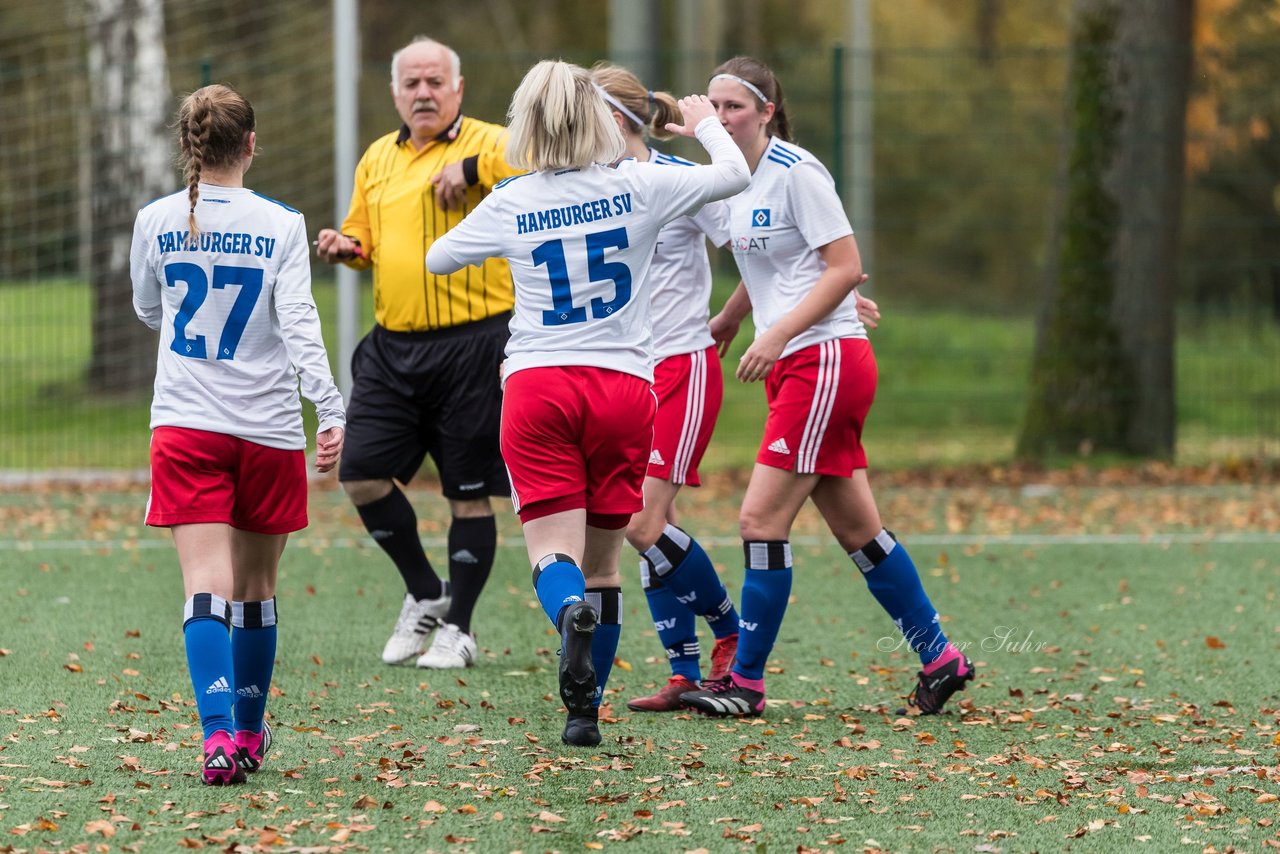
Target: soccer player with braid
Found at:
x=799, y=263
x=577, y=415
x=224, y=275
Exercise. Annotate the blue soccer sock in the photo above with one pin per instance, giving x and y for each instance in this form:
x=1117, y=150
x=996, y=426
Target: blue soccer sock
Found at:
x=894, y=581
x=677, y=626
x=558, y=582
x=604, y=643
x=765, y=590
x=206, y=620
x=253, y=651
x=684, y=567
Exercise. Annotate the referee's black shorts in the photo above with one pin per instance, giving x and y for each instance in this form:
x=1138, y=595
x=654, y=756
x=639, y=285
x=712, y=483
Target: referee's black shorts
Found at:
x=437, y=393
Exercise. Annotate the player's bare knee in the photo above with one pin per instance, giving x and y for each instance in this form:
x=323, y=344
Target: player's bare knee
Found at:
x=362, y=492
x=471, y=508
x=642, y=533
x=754, y=526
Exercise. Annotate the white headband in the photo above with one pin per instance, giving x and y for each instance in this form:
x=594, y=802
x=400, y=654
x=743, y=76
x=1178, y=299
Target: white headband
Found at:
x=618, y=105
x=736, y=79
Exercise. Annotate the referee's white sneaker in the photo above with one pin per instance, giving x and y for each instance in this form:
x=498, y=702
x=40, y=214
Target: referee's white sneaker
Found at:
x=418, y=619
x=450, y=648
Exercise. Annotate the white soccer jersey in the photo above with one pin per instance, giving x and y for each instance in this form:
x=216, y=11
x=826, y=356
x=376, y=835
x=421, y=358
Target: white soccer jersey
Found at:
x=580, y=243
x=238, y=325
x=777, y=225
x=680, y=275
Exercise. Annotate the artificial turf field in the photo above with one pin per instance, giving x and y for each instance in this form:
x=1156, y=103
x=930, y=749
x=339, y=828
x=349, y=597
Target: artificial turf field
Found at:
x=1125, y=635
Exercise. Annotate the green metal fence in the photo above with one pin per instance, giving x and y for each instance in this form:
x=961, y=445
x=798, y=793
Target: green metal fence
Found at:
x=967, y=143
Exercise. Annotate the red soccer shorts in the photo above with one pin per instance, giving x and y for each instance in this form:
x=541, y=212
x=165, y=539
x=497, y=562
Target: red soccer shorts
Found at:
x=199, y=477
x=690, y=389
x=818, y=401
x=576, y=437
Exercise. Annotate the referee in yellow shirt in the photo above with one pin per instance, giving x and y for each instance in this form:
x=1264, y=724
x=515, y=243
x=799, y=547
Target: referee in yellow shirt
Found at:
x=425, y=378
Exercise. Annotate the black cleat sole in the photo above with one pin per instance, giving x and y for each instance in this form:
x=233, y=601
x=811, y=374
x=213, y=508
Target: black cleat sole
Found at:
x=577, y=674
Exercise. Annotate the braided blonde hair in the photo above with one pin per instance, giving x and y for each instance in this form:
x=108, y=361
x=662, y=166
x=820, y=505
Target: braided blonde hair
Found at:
x=213, y=125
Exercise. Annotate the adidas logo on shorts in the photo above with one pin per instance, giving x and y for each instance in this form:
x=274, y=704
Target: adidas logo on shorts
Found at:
x=220, y=686
x=250, y=691
x=779, y=446
x=655, y=458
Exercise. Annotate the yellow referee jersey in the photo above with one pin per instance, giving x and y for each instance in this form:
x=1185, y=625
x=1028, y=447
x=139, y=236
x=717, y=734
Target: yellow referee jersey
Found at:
x=395, y=217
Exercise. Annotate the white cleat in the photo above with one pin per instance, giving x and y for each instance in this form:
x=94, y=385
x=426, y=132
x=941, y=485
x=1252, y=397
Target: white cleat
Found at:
x=416, y=623
x=450, y=648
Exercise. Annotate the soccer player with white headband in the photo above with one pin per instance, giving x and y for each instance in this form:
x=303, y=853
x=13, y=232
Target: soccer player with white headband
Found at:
x=679, y=582
x=799, y=262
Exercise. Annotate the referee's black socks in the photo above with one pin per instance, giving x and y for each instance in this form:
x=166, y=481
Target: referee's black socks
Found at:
x=394, y=526
x=472, y=543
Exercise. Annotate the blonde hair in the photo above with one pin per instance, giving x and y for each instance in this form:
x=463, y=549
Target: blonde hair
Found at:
x=656, y=109
x=213, y=126
x=557, y=120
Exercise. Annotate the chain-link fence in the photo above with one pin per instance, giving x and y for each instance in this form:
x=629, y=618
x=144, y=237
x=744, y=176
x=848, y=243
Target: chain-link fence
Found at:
x=968, y=139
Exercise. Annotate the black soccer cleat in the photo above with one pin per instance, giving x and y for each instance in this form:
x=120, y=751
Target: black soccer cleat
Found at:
x=934, y=689
x=577, y=674
x=582, y=730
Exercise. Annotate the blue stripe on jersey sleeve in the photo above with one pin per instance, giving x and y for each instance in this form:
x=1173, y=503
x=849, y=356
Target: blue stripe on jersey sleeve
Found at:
x=275, y=202
x=672, y=160
x=505, y=181
x=787, y=163
x=785, y=153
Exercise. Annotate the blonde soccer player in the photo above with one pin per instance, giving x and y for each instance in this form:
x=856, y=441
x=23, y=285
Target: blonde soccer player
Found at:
x=578, y=406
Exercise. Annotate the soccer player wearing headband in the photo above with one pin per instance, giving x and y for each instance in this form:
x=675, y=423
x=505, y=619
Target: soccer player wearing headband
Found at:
x=679, y=582
x=800, y=265
x=578, y=407
x=425, y=377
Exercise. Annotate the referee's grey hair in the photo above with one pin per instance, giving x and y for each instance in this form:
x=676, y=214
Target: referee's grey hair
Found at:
x=455, y=63
x=557, y=120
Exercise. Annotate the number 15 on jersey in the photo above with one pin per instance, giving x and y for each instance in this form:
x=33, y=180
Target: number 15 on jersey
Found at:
x=552, y=255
